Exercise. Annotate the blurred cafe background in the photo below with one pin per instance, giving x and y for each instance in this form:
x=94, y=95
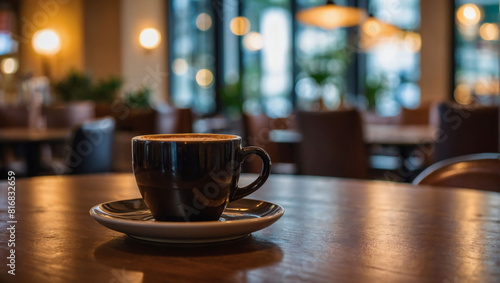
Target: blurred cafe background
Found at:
x=371, y=89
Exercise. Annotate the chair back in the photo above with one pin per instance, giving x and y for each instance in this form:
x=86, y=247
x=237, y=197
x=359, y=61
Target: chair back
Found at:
x=475, y=171
x=332, y=144
x=256, y=130
x=69, y=114
x=466, y=130
x=172, y=120
x=418, y=116
x=91, y=147
x=14, y=117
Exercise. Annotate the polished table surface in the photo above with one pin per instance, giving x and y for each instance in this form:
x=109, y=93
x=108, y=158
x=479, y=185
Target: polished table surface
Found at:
x=333, y=230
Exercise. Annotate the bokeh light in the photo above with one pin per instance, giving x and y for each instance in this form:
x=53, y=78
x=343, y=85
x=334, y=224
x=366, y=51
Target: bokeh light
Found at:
x=239, y=25
x=489, y=31
x=412, y=41
x=180, y=66
x=485, y=86
x=46, y=42
x=371, y=27
x=204, y=78
x=203, y=21
x=150, y=38
x=253, y=41
x=9, y=65
x=469, y=14
x=462, y=94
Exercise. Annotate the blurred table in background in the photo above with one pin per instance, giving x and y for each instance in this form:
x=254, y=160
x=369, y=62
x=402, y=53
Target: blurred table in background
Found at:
x=30, y=141
x=412, y=135
x=406, y=138
x=375, y=134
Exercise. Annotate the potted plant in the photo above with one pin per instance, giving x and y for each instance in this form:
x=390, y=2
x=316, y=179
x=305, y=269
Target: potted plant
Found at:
x=141, y=116
x=78, y=86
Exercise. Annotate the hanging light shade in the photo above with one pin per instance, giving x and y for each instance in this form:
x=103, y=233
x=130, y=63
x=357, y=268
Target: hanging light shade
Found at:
x=374, y=27
x=331, y=16
x=375, y=31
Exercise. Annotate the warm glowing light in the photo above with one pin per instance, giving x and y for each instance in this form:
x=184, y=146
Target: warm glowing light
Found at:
x=204, y=78
x=180, y=66
x=371, y=27
x=239, y=25
x=486, y=86
x=9, y=65
x=469, y=14
x=203, y=21
x=253, y=41
x=150, y=38
x=331, y=16
x=462, y=94
x=489, y=31
x=375, y=28
x=412, y=41
x=495, y=87
x=46, y=42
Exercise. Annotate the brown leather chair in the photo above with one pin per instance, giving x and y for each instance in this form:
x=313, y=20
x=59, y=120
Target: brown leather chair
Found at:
x=165, y=119
x=332, y=144
x=466, y=130
x=69, y=114
x=479, y=171
x=256, y=133
x=172, y=120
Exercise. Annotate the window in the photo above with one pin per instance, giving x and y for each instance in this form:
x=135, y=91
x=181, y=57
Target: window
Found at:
x=393, y=62
x=476, y=51
x=267, y=74
x=268, y=62
x=322, y=57
x=192, y=55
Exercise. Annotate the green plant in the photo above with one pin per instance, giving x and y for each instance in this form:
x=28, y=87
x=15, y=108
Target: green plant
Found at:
x=78, y=86
x=105, y=90
x=138, y=99
x=231, y=96
x=374, y=85
x=322, y=66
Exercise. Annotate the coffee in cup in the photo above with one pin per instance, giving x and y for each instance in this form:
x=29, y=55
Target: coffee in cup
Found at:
x=192, y=177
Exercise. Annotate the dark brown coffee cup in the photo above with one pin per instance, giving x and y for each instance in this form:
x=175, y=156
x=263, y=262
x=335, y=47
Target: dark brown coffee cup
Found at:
x=192, y=177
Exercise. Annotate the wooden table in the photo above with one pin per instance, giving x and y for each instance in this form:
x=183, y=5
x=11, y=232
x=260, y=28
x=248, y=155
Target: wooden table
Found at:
x=31, y=140
x=375, y=134
x=400, y=134
x=333, y=230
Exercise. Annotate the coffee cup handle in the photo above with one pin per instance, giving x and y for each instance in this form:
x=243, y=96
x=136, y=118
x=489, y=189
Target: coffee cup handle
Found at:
x=264, y=173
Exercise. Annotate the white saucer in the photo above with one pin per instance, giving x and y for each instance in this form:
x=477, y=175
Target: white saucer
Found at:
x=240, y=218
